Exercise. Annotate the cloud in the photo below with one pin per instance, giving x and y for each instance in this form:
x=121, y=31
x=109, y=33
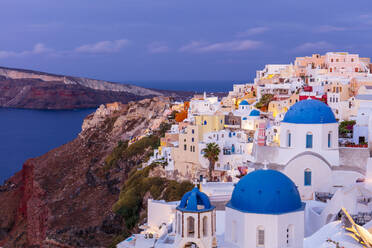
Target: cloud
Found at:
x=157, y=47
x=253, y=31
x=230, y=46
x=366, y=19
x=103, y=46
x=329, y=28
x=313, y=46
x=39, y=48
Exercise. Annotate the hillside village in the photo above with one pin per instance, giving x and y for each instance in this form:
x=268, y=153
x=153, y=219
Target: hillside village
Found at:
x=281, y=162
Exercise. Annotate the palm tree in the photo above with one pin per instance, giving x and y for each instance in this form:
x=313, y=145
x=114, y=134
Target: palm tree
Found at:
x=211, y=153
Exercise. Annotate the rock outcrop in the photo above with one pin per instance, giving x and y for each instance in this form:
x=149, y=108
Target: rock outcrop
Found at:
x=65, y=197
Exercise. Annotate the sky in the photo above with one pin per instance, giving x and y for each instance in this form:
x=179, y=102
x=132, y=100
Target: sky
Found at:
x=176, y=40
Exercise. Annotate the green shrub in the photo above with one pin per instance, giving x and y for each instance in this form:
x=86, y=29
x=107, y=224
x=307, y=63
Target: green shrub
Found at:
x=346, y=127
x=135, y=188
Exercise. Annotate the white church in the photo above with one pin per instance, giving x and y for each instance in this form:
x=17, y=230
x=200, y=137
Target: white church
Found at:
x=265, y=210
x=308, y=150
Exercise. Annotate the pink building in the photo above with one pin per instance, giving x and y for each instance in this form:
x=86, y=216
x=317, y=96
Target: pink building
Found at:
x=346, y=64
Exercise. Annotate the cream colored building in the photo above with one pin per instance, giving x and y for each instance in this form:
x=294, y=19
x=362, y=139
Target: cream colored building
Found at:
x=187, y=156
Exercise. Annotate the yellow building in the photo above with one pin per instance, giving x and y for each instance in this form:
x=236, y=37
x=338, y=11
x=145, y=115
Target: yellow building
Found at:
x=187, y=155
x=208, y=123
x=279, y=107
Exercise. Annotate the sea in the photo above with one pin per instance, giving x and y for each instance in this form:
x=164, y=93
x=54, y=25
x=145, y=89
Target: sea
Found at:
x=26, y=134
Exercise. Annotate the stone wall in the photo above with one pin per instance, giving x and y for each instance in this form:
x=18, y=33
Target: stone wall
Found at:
x=355, y=157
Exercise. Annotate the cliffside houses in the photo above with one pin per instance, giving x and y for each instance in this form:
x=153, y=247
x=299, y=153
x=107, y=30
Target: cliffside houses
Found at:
x=288, y=121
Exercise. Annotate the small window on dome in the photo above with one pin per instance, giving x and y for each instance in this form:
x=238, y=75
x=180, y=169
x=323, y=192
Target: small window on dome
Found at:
x=205, y=226
x=190, y=226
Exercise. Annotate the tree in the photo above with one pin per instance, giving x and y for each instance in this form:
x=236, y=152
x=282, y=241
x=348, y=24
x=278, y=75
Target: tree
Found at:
x=211, y=153
x=264, y=101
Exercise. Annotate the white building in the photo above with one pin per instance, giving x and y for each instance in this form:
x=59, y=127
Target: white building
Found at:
x=251, y=121
x=205, y=106
x=266, y=207
x=236, y=147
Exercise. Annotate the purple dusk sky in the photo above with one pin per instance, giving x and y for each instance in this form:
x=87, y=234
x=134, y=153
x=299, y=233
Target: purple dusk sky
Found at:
x=134, y=40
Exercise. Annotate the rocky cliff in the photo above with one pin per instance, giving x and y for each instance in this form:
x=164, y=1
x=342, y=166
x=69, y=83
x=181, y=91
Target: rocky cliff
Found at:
x=65, y=197
x=38, y=90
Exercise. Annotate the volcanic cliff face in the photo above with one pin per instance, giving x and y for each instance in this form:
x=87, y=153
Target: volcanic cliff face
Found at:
x=65, y=197
x=38, y=90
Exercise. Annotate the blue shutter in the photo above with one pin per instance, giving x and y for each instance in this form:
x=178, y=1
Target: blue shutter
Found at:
x=307, y=178
x=309, y=141
x=289, y=139
x=329, y=140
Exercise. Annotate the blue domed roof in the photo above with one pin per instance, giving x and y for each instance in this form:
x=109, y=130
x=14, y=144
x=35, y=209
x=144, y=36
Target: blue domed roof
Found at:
x=254, y=112
x=266, y=192
x=310, y=112
x=244, y=102
x=195, y=201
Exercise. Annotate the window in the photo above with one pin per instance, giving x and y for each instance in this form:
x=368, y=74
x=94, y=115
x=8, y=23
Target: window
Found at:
x=234, y=235
x=309, y=140
x=331, y=60
x=307, y=177
x=289, y=235
x=190, y=226
x=179, y=223
x=356, y=69
x=205, y=122
x=192, y=131
x=184, y=147
x=205, y=226
x=190, y=148
x=329, y=139
x=260, y=236
x=289, y=140
x=352, y=60
x=192, y=139
x=193, y=149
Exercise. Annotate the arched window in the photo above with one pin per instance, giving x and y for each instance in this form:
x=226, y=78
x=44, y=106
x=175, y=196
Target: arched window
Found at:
x=307, y=177
x=289, y=235
x=205, y=226
x=190, y=226
x=179, y=223
x=289, y=139
x=309, y=140
x=260, y=236
x=329, y=139
x=205, y=122
x=234, y=235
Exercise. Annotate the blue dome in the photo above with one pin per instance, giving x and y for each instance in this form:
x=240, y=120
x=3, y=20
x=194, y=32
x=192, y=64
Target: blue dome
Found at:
x=195, y=201
x=266, y=192
x=244, y=102
x=310, y=112
x=254, y=112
